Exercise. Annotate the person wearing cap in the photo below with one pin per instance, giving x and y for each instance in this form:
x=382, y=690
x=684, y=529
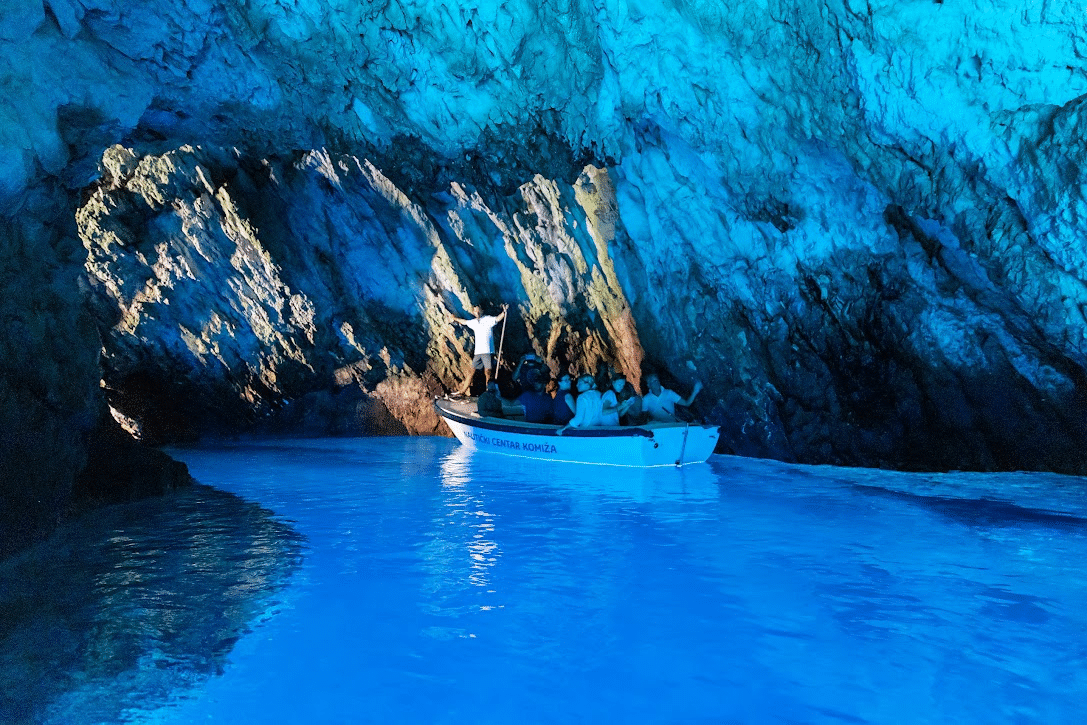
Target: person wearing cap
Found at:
x=589, y=405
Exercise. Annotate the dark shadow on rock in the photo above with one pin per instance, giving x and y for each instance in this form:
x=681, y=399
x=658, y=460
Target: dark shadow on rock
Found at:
x=347, y=411
x=121, y=469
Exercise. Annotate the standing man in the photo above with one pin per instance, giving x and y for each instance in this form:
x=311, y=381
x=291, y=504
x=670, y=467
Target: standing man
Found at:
x=483, y=327
x=660, y=403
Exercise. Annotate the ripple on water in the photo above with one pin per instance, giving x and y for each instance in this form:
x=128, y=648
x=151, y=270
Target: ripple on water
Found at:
x=152, y=594
x=442, y=586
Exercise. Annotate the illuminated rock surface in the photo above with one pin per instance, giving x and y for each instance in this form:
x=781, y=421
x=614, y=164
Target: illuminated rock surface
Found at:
x=861, y=224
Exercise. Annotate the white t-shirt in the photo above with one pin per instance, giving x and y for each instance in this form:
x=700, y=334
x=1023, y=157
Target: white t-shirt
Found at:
x=484, y=329
x=609, y=417
x=588, y=410
x=661, y=407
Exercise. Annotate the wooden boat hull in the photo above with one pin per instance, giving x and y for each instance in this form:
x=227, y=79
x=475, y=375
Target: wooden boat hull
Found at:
x=655, y=444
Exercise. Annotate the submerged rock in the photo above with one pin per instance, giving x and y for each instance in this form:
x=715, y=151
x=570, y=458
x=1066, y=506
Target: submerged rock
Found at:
x=140, y=601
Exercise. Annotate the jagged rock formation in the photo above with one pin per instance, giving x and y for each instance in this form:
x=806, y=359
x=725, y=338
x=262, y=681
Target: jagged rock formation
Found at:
x=859, y=222
x=229, y=289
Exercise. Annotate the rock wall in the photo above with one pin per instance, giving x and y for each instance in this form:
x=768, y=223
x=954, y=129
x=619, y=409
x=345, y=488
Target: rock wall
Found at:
x=48, y=367
x=57, y=446
x=231, y=290
x=860, y=223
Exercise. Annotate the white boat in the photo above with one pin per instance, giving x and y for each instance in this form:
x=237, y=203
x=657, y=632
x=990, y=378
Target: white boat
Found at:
x=645, y=446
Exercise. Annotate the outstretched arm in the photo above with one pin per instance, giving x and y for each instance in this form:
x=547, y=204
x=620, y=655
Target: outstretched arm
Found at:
x=502, y=315
x=690, y=398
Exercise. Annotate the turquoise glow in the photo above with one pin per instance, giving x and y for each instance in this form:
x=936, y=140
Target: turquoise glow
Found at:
x=441, y=586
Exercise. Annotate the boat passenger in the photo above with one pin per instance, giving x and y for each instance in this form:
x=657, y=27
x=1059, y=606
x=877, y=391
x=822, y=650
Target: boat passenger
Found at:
x=563, y=405
x=630, y=406
x=660, y=403
x=609, y=407
x=489, y=404
x=529, y=365
x=622, y=406
x=588, y=406
x=536, y=403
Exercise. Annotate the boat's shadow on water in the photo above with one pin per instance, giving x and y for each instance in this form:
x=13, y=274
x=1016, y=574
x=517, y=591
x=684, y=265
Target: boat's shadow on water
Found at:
x=129, y=607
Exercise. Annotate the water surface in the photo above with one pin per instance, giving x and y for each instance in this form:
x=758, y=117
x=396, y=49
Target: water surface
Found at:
x=440, y=586
x=135, y=605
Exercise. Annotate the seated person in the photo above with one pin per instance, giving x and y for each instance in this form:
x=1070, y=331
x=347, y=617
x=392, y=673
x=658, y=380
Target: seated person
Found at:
x=622, y=406
x=528, y=366
x=609, y=405
x=659, y=404
x=563, y=405
x=536, y=403
x=490, y=404
x=633, y=415
x=589, y=405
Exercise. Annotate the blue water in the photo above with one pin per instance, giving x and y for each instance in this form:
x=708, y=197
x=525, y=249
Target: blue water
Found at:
x=418, y=582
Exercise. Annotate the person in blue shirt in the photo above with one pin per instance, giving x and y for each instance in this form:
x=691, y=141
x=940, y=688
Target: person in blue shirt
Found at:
x=537, y=404
x=529, y=365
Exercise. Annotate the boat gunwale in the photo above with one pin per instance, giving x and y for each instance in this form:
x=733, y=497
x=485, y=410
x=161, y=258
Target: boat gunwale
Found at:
x=551, y=430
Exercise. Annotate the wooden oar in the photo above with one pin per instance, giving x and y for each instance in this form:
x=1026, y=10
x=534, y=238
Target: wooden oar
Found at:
x=501, y=339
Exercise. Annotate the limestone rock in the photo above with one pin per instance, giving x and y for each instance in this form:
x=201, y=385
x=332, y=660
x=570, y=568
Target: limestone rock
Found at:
x=227, y=288
x=860, y=223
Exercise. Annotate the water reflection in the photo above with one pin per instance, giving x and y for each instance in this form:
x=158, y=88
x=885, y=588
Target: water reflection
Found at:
x=461, y=549
x=153, y=594
x=456, y=467
x=445, y=586
x=639, y=485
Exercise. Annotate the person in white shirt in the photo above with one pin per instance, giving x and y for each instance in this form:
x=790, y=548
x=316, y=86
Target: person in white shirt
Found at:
x=609, y=408
x=483, y=326
x=622, y=406
x=660, y=403
x=589, y=405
